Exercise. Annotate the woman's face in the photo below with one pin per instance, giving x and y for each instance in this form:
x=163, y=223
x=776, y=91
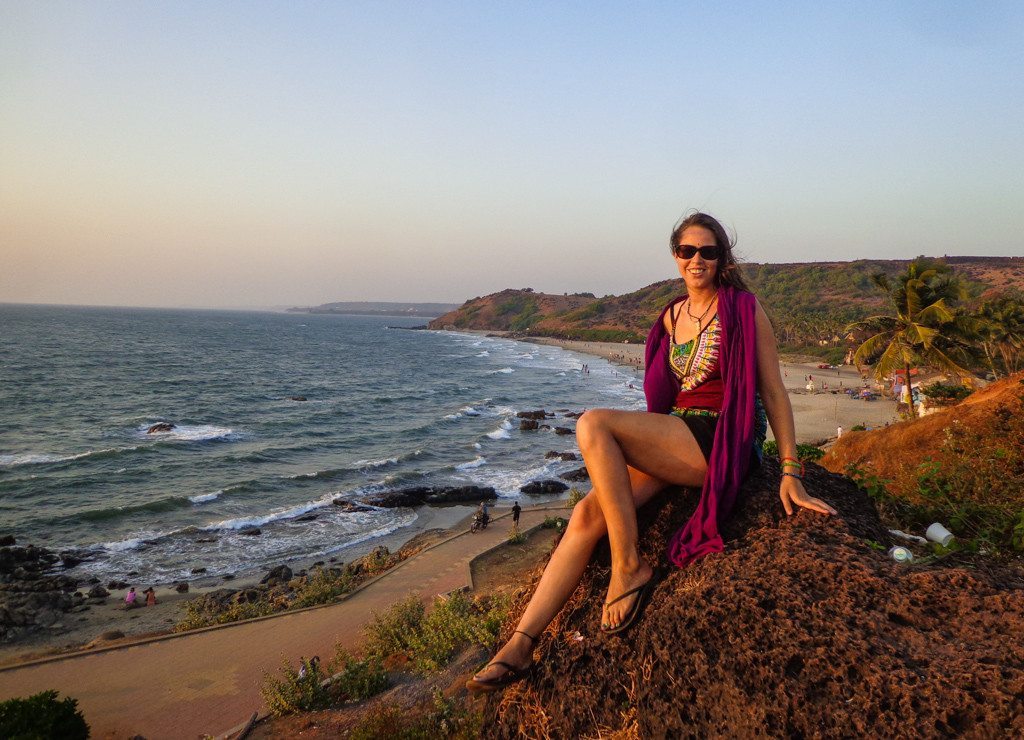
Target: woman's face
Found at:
x=697, y=271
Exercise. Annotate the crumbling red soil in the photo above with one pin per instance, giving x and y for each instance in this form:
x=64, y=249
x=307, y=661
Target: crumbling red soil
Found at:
x=799, y=629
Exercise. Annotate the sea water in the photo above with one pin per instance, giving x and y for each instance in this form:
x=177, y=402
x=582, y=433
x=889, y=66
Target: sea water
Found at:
x=386, y=408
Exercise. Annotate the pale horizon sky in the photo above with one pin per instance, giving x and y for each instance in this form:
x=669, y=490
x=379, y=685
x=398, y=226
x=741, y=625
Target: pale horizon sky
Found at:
x=273, y=154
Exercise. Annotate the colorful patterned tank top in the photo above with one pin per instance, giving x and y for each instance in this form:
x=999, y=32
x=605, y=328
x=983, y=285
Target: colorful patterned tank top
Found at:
x=696, y=361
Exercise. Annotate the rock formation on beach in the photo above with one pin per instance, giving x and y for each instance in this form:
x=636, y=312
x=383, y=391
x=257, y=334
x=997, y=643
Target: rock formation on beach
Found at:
x=802, y=627
x=31, y=597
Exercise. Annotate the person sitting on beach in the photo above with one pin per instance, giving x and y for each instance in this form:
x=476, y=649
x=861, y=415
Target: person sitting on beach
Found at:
x=711, y=360
x=129, y=599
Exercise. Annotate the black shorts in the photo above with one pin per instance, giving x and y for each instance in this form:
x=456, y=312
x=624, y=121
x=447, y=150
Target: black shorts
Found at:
x=703, y=430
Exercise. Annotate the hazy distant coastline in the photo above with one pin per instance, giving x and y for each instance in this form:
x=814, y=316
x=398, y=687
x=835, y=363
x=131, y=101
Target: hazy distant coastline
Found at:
x=378, y=308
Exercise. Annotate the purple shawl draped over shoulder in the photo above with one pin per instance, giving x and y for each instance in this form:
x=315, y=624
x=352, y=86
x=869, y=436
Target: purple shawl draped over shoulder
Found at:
x=734, y=435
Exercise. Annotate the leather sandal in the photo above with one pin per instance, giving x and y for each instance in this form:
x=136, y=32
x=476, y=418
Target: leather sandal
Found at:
x=643, y=592
x=510, y=676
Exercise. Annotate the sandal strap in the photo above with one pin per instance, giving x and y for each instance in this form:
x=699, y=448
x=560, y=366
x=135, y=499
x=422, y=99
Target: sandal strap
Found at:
x=503, y=664
x=532, y=638
x=628, y=593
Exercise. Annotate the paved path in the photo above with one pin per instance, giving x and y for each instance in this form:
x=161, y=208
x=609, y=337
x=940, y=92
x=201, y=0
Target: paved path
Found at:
x=184, y=686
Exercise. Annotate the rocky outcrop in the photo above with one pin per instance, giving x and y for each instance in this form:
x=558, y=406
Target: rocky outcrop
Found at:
x=346, y=506
x=528, y=425
x=801, y=628
x=564, y=430
x=538, y=414
x=160, y=427
x=544, y=486
x=420, y=495
x=577, y=475
x=31, y=599
x=564, y=456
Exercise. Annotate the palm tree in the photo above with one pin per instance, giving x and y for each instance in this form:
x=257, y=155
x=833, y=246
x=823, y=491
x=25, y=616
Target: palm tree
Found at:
x=1000, y=325
x=922, y=327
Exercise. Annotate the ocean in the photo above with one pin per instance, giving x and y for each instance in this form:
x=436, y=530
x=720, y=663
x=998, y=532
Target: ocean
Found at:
x=386, y=408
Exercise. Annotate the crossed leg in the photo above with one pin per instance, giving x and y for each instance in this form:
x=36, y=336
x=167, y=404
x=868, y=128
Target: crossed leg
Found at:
x=631, y=456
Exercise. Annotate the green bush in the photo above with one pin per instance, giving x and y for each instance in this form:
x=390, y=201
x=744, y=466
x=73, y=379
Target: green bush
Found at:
x=429, y=640
x=356, y=679
x=806, y=453
x=293, y=693
x=946, y=392
x=42, y=716
x=515, y=536
x=575, y=496
x=202, y=613
x=323, y=587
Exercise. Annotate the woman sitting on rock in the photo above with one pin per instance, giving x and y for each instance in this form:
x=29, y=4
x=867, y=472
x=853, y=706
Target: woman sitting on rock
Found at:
x=711, y=360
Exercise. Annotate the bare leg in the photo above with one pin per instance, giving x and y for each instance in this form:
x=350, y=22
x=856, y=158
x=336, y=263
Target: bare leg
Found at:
x=564, y=570
x=661, y=446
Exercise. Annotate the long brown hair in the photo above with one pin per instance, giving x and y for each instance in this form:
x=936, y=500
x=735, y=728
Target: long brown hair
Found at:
x=728, y=271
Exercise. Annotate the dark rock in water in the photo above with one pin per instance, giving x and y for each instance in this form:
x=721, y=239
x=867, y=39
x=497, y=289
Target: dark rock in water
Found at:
x=197, y=571
x=98, y=592
x=419, y=495
x=528, y=425
x=93, y=580
x=182, y=588
x=206, y=539
x=250, y=531
x=228, y=577
x=564, y=430
x=117, y=585
x=544, y=486
x=306, y=518
x=7, y=540
x=574, y=414
x=539, y=414
x=577, y=475
x=349, y=506
x=71, y=558
x=567, y=456
x=163, y=426
x=800, y=628
x=280, y=573
x=297, y=398
x=132, y=573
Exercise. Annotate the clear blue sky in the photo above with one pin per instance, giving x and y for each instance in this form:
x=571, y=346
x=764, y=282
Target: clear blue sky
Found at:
x=245, y=154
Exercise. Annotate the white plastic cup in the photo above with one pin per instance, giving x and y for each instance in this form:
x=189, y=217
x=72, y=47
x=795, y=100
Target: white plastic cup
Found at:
x=937, y=533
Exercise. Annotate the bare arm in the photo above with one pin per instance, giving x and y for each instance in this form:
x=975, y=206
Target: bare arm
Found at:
x=780, y=415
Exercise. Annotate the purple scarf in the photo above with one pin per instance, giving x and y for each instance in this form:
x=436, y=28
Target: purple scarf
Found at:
x=734, y=435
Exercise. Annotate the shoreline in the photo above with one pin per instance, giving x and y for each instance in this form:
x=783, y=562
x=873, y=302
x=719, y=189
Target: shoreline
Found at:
x=817, y=415
x=93, y=625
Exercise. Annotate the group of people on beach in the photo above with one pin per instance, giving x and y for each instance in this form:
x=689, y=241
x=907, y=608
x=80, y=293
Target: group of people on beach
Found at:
x=712, y=382
x=131, y=600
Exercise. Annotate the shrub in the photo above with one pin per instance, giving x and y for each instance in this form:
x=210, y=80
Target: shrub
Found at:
x=858, y=428
x=946, y=392
x=323, y=587
x=204, y=613
x=429, y=640
x=575, y=496
x=515, y=536
x=806, y=453
x=42, y=716
x=294, y=692
x=356, y=679
x=390, y=632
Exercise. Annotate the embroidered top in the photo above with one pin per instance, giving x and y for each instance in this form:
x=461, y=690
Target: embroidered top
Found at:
x=695, y=365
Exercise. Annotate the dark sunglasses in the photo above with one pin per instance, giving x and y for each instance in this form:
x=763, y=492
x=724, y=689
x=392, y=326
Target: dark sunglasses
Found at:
x=686, y=252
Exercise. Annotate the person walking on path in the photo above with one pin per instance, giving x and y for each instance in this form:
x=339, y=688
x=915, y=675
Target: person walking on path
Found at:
x=711, y=362
x=516, y=511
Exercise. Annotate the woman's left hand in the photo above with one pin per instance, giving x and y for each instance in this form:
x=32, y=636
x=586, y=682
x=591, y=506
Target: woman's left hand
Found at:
x=791, y=491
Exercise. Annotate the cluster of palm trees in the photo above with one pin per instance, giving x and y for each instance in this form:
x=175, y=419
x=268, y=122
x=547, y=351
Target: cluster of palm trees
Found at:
x=930, y=324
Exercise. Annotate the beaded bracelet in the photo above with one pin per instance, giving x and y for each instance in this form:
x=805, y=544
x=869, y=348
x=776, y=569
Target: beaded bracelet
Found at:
x=792, y=462
x=793, y=475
